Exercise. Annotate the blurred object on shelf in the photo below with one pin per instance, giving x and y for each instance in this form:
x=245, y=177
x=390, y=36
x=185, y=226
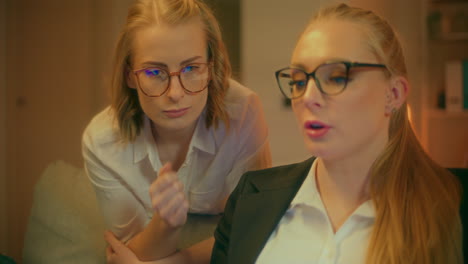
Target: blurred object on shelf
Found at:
x=448, y=20
x=434, y=25
x=465, y=162
x=449, y=1
x=456, y=85
x=441, y=99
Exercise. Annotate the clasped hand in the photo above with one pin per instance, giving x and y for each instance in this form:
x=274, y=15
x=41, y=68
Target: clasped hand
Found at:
x=168, y=197
x=169, y=204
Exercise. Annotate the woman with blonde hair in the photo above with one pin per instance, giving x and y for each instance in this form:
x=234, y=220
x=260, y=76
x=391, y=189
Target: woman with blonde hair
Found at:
x=178, y=134
x=369, y=193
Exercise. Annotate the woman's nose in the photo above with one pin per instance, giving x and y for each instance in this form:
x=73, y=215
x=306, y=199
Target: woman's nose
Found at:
x=176, y=91
x=313, y=97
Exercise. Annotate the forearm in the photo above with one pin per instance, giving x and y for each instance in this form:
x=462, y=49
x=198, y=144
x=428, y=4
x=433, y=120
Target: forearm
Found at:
x=158, y=240
x=199, y=253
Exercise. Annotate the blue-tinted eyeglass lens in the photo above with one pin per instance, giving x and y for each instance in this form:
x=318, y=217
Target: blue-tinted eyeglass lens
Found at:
x=292, y=82
x=332, y=77
x=195, y=77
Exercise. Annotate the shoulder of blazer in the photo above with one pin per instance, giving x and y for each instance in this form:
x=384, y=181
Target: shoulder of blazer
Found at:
x=462, y=175
x=275, y=177
x=253, y=210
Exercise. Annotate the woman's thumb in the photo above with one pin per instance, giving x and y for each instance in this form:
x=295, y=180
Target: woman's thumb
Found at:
x=114, y=243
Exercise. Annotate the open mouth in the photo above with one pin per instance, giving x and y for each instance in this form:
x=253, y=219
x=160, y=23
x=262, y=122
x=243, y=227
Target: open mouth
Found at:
x=315, y=125
x=316, y=129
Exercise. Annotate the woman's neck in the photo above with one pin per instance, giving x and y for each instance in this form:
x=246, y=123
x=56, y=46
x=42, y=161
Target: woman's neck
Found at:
x=342, y=189
x=173, y=145
x=343, y=183
x=349, y=182
x=349, y=175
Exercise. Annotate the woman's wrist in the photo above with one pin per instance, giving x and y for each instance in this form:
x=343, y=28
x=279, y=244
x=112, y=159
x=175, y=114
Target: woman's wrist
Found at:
x=157, y=241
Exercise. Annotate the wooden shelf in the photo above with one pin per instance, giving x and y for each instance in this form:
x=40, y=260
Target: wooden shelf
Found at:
x=449, y=2
x=442, y=113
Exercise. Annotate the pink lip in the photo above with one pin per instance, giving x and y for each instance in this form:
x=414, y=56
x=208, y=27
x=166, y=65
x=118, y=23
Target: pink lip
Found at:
x=316, y=129
x=175, y=113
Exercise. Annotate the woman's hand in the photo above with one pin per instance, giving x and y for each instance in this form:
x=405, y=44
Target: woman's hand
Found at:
x=117, y=252
x=168, y=197
x=160, y=236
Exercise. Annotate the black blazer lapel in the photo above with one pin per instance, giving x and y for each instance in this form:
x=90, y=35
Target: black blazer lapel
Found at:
x=462, y=175
x=258, y=212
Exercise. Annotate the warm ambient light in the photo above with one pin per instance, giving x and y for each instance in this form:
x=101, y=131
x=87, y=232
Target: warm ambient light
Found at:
x=410, y=114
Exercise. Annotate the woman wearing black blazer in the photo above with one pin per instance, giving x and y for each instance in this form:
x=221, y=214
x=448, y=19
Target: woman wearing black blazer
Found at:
x=260, y=201
x=371, y=195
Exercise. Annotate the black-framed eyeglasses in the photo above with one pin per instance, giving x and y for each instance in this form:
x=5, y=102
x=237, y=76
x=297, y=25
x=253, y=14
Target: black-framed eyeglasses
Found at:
x=155, y=81
x=330, y=78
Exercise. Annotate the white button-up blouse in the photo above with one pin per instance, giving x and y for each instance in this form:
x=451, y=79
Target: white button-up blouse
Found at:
x=305, y=234
x=122, y=173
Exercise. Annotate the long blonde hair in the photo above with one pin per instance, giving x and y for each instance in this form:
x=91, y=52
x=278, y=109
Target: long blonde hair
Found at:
x=144, y=13
x=417, y=201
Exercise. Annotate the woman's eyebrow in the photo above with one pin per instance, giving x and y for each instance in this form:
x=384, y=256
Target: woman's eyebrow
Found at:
x=298, y=65
x=190, y=60
x=331, y=60
x=164, y=65
x=154, y=63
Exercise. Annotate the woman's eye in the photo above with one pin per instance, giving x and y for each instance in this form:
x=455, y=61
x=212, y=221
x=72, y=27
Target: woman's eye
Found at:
x=298, y=84
x=189, y=68
x=153, y=72
x=337, y=79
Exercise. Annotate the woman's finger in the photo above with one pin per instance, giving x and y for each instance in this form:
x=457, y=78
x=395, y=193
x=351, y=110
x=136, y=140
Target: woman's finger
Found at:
x=165, y=168
x=164, y=181
x=172, y=207
x=180, y=215
x=109, y=253
x=162, y=199
x=115, y=245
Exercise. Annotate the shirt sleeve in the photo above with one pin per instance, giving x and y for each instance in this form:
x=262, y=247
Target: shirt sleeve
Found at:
x=253, y=148
x=124, y=215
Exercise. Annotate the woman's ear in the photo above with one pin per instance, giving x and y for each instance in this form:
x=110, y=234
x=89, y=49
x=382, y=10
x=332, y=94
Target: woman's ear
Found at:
x=130, y=78
x=396, y=94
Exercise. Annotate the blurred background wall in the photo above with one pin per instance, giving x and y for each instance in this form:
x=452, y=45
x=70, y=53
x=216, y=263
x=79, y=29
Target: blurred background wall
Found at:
x=55, y=62
x=269, y=32
x=3, y=187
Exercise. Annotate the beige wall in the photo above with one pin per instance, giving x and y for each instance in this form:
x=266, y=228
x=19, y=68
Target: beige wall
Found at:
x=3, y=187
x=48, y=57
x=58, y=58
x=269, y=31
x=408, y=19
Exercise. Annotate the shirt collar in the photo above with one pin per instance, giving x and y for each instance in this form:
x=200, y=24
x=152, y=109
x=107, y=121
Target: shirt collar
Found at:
x=366, y=209
x=144, y=145
x=203, y=137
x=309, y=195
x=142, y=141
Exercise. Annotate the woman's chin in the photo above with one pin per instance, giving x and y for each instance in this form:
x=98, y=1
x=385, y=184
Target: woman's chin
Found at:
x=316, y=149
x=323, y=153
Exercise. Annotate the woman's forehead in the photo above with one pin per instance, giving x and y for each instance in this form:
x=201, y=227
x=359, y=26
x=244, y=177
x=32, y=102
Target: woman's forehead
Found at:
x=333, y=40
x=169, y=42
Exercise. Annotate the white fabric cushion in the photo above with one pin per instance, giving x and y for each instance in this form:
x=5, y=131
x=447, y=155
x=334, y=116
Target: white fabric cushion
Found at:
x=65, y=225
